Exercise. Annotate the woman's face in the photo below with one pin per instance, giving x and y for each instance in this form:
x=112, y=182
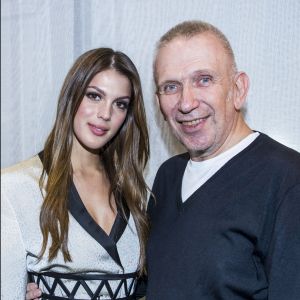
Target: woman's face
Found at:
x=103, y=109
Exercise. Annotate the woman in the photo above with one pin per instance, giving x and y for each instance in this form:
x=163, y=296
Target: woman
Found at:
x=74, y=215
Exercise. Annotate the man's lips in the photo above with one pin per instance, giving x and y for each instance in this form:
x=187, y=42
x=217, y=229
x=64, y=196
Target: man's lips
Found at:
x=192, y=123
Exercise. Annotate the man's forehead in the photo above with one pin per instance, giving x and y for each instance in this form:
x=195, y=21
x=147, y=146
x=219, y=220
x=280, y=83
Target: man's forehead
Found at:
x=189, y=45
x=183, y=70
x=183, y=56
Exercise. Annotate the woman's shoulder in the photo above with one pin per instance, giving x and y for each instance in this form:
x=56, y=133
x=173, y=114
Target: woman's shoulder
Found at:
x=22, y=178
x=30, y=167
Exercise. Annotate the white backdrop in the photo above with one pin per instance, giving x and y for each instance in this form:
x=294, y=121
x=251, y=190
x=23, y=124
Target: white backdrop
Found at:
x=40, y=39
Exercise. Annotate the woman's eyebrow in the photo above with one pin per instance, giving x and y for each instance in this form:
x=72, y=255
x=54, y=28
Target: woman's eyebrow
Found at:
x=97, y=89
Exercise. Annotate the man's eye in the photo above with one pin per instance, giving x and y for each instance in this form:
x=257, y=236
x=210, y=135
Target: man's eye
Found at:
x=203, y=81
x=94, y=96
x=170, y=88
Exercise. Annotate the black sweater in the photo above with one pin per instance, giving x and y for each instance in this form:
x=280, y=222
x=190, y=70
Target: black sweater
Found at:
x=236, y=237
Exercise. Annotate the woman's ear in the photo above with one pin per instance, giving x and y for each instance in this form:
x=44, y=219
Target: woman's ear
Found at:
x=241, y=86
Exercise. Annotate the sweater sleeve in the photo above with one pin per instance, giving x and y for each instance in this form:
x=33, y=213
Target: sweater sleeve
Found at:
x=284, y=251
x=156, y=192
x=13, y=254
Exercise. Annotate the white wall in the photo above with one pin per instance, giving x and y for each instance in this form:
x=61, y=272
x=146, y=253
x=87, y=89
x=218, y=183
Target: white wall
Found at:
x=40, y=39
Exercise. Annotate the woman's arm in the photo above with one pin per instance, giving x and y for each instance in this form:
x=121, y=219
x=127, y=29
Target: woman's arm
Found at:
x=13, y=254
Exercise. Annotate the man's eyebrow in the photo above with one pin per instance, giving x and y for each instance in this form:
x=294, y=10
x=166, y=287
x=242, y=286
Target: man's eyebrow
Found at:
x=199, y=72
x=214, y=76
x=205, y=72
x=169, y=81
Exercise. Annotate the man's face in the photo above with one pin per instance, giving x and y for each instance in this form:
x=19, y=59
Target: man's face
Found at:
x=195, y=95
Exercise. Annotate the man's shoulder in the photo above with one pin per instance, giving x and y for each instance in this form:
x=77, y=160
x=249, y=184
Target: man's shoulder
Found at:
x=276, y=151
x=174, y=162
x=275, y=158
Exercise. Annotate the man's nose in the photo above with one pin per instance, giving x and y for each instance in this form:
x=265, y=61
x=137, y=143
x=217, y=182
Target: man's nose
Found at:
x=188, y=100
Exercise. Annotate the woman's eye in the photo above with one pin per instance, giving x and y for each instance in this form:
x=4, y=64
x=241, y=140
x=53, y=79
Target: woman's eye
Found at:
x=93, y=96
x=122, y=105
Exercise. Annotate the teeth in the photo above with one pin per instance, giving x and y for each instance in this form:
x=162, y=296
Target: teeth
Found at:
x=191, y=123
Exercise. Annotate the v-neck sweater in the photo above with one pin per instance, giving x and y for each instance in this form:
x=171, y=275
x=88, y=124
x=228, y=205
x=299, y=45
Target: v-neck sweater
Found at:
x=236, y=237
x=198, y=172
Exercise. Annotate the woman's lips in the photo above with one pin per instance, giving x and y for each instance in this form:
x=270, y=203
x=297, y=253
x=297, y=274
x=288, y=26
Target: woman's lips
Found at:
x=98, y=130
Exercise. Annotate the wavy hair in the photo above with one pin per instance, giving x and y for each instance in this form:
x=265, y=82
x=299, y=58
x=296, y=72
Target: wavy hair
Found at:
x=124, y=157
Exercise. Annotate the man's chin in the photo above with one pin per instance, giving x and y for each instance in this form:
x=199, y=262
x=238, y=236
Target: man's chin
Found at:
x=197, y=150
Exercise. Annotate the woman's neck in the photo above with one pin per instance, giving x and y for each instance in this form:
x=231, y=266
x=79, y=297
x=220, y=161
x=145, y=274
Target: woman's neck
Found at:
x=84, y=161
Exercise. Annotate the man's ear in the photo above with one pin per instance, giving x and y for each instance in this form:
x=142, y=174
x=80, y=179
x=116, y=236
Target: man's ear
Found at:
x=241, y=86
x=158, y=103
x=157, y=100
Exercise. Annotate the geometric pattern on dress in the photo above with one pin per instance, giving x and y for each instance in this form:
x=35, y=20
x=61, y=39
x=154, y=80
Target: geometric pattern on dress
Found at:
x=108, y=286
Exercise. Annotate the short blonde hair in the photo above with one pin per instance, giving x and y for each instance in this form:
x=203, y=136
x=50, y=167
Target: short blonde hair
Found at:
x=189, y=29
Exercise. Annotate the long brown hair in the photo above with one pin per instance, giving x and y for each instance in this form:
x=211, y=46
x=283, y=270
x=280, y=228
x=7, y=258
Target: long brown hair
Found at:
x=124, y=157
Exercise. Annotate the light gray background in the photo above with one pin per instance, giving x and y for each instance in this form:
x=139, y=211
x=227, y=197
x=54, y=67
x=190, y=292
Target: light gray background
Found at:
x=40, y=39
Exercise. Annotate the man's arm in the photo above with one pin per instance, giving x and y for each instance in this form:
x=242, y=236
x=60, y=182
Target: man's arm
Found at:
x=283, y=261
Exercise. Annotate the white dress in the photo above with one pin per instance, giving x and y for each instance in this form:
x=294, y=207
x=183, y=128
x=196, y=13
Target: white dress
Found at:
x=103, y=266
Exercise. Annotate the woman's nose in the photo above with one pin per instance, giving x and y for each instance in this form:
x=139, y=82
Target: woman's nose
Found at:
x=104, y=111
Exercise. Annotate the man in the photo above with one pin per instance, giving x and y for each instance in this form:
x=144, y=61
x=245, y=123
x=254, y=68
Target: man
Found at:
x=225, y=223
